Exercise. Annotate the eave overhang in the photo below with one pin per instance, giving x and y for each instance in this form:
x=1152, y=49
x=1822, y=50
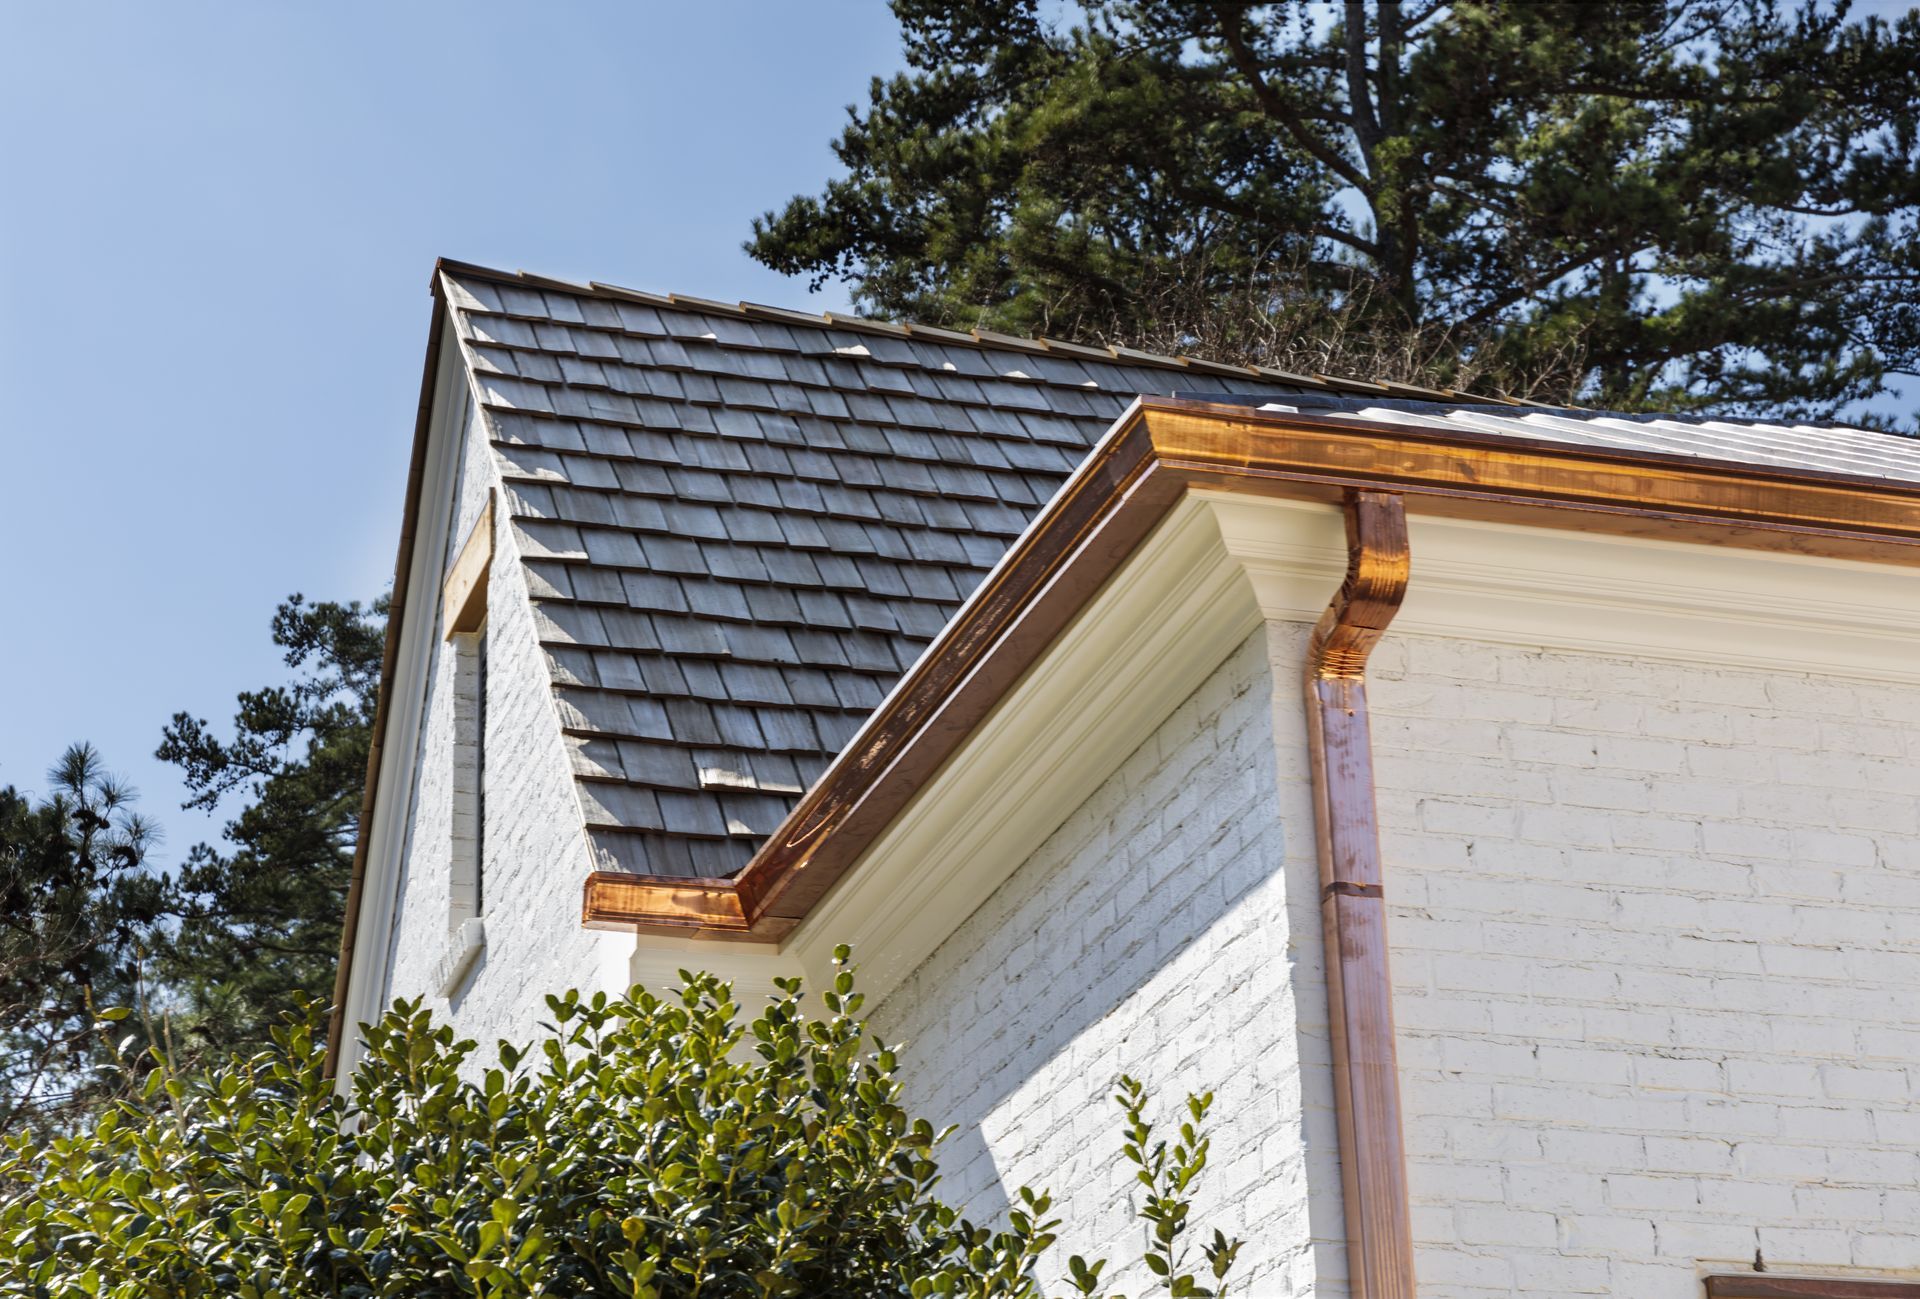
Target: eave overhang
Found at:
x=1155, y=453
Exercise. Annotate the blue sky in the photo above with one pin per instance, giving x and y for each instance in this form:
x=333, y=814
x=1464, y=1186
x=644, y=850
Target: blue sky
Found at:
x=216, y=231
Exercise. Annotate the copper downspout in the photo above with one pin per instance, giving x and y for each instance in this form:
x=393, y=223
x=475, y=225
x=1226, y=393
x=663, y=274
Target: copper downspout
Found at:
x=1373, y=1170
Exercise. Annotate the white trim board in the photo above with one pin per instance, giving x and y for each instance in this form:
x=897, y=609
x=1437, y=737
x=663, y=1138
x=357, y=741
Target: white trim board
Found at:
x=367, y=980
x=1567, y=590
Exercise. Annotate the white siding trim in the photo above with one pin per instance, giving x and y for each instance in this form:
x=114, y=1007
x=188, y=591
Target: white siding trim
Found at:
x=367, y=983
x=1222, y=561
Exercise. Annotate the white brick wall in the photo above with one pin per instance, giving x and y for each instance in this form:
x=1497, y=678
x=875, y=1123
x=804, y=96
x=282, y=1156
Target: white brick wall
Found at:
x=536, y=851
x=1656, y=944
x=1152, y=935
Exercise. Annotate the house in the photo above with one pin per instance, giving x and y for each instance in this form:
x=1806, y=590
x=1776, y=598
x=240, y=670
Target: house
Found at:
x=1512, y=814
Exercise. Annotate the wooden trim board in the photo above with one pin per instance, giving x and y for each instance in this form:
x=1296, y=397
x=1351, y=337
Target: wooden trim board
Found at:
x=1767, y=1285
x=464, y=594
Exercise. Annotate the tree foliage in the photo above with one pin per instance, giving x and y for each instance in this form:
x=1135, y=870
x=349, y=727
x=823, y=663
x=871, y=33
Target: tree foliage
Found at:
x=257, y=919
x=657, y=1148
x=1659, y=203
x=75, y=907
x=217, y=948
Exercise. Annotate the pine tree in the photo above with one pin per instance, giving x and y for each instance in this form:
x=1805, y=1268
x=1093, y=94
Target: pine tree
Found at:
x=78, y=912
x=1670, y=204
x=257, y=917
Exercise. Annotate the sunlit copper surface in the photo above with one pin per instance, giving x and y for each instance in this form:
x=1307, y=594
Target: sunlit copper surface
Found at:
x=1570, y=486
x=1352, y=906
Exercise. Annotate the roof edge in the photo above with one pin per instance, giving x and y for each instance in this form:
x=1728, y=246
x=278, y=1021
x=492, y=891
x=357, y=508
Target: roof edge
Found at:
x=389, y=656
x=982, y=338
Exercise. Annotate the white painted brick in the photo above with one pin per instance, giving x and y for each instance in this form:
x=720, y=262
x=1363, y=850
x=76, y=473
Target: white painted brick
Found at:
x=1656, y=1278
x=1896, y=1250
x=1842, y=1082
x=536, y=856
x=1732, y=851
x=1635, y=754
x=1549, y=1274
x=1701, y=798
x=1481, y=1226
x=1592, y=1068
x=1721, y=839
x=1666, y=1073
x=1794, y=1248
x=1571, y=789
x=1841, y=1203
x=1840, y=1125
x=1200, y=979
x=1748, y=1199
x=1724, y=1240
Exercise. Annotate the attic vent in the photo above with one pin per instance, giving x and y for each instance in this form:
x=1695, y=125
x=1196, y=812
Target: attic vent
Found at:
x=858, y=349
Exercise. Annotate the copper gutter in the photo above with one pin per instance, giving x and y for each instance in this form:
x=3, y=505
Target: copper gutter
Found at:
x=1157, y=451
x=1373, y=1169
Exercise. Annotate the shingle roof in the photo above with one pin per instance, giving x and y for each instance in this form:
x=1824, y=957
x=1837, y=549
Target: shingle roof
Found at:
x=740, y=525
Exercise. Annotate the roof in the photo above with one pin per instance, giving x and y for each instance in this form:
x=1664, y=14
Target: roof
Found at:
x=740, y=525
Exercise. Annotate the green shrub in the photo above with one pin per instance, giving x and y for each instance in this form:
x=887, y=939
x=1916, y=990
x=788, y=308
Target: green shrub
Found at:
x=656, y=1149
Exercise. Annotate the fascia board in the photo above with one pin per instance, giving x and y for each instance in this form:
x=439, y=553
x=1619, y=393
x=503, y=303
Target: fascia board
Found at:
x=373, y=912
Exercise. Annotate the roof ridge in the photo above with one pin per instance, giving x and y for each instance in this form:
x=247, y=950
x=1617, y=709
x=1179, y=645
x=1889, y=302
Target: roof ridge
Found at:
x=980, y=338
